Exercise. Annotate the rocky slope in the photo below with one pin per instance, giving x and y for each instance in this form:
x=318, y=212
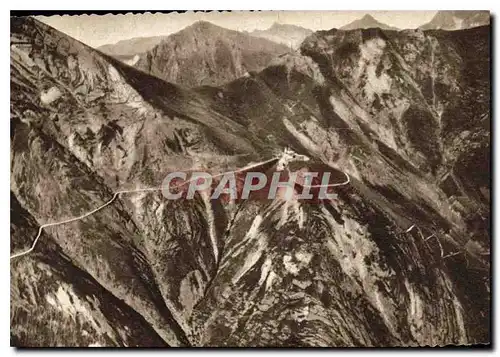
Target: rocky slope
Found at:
x=457, y=20
x=206, y=54
x=286, y=34
x=405, y=114
x=367, y=22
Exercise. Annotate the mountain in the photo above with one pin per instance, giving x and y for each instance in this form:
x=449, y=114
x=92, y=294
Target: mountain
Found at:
x=457, y=20
x=128, y=50
x=398, y=112
x=84, y=125
x=206, y=54
x=400, y=258
x=286, y=34
x=367, y=22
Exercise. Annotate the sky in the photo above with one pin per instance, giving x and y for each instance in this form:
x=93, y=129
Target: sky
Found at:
x=98, y=30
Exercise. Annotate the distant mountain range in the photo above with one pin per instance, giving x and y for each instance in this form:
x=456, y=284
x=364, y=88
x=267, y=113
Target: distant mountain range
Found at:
x=206, y=54
x=457, y=20
x=126, y=50
x=367, y=22
x=220, y=55
x=290, y=35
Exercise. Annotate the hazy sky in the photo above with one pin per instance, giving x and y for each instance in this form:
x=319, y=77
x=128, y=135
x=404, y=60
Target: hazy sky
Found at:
x=95, y=30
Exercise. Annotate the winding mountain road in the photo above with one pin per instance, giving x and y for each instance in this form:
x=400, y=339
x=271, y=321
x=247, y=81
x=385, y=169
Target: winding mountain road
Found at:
x=147, y=189
x=115, y=195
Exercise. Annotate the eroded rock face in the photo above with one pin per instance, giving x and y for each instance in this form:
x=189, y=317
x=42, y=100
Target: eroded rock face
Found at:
x=422, y=93
x=404, y=114
x=288, y=282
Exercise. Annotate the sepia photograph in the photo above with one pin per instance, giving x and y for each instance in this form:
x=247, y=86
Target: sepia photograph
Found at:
x=250, y=179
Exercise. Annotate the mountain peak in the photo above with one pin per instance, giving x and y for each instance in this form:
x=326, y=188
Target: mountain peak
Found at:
x=203, y=25
x=368, y=17
x=367, y=21
x=207, y=54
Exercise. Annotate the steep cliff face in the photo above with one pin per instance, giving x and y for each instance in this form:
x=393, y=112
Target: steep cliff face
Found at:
x=422, y=93
x=400, y=258
x=206, y=54
x=291, y=271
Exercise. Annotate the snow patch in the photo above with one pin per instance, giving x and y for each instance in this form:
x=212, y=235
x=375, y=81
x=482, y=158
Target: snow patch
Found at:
x=292, y=210
x=66, y=301
x=191, y=290
x=415, y=317
x=254, y=228
x=251, y=258
x=132, y=61
x=371, y=55
x=265, y=271
x=50, y=95
x=290, y=266
x=270, y=279
x=303, y=257
x=211, y=225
